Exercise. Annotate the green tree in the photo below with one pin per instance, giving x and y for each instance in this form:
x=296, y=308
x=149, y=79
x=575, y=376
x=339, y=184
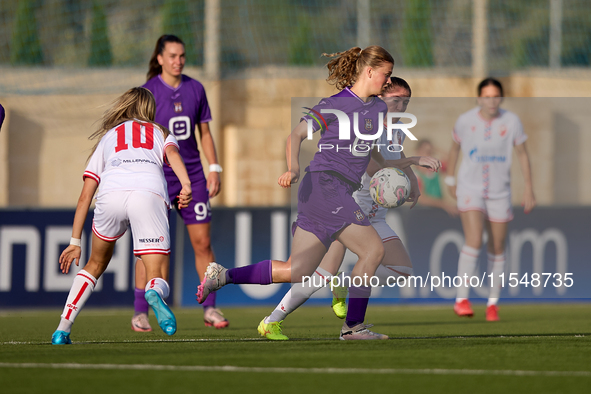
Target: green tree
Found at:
x=100, y=47
x=417, y=41
x=25, y=48
x=176, y=20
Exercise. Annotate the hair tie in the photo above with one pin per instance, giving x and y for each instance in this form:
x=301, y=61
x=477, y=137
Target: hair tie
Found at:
x=359, y=54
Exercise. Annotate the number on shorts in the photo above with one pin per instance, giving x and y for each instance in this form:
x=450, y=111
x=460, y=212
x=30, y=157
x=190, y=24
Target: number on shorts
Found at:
x=136, y=136
x=202, y=210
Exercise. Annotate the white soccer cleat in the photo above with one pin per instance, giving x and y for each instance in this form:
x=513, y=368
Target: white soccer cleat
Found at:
x=214, y=279
x=141, y=323
x=359, y=332
x=213, y=317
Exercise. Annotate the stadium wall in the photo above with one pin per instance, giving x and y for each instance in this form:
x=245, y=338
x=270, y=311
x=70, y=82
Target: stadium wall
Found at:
x=44, y=145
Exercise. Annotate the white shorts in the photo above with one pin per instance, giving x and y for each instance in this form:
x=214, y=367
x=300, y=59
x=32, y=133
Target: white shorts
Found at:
x=376, y=215
x=145, y=212
x=496, y=210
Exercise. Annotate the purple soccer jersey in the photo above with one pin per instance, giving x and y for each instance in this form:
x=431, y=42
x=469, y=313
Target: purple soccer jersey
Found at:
x=180, y=109
x=349, y=157
x=2, y=115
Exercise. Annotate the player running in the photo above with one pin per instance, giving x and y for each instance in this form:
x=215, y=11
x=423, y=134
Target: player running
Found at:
x=326, y=208
x=126, y=162
x=396, y=261
x=486, y=135
x=181, y=105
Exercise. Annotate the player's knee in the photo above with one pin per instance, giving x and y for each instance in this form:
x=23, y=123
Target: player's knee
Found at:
x=201, y=244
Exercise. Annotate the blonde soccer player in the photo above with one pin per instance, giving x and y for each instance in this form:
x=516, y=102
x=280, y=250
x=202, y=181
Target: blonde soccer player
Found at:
x=486, y=136
x=126, y=167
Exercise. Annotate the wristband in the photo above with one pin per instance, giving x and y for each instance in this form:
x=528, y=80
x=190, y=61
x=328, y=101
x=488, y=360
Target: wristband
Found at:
x=215, y=168
x=75, y=242
x=450, y=180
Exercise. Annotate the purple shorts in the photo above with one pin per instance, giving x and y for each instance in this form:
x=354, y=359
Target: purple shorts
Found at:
x=325, y=206
x=198, y=210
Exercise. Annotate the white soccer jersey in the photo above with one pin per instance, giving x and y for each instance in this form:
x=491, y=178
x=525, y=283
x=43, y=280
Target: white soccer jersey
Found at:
x=130, y=157
x=390, y=150
x=487, y=148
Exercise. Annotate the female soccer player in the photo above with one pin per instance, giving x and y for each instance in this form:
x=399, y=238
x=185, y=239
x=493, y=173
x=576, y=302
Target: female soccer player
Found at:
x=181, y=104
x=126, y=162
x=326, y=208
x=486, y=135
x=396, y=261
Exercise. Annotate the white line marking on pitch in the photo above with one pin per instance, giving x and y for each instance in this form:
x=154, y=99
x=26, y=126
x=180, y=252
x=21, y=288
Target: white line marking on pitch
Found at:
x=295, y=339
x=231, y=368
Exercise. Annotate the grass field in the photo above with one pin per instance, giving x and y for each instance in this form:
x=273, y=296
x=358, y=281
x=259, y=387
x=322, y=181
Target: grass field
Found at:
x=533, y=349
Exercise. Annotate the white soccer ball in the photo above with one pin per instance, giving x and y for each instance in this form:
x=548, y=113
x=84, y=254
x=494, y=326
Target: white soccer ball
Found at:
x=389, y=187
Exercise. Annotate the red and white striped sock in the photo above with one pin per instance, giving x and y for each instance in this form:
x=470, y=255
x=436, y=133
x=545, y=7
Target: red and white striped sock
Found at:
x=81, y=289
x=160, y=285
x=466, y=266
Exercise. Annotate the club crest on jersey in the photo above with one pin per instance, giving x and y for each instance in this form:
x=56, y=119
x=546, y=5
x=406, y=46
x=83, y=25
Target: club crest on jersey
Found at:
x=503, y=130
x=368, y=124
x=359, y=215
x=178, y=107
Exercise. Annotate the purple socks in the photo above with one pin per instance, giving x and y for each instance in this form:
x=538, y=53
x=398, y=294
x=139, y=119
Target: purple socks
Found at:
x=209, y=302
x=258, y=274
x=358, y=300
x=139, y=303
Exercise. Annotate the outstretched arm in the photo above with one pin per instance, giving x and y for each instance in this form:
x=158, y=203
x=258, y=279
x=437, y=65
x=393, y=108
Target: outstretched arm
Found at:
x=178, y=166
x=292, y=153
x=529, y=200
x=73, y=252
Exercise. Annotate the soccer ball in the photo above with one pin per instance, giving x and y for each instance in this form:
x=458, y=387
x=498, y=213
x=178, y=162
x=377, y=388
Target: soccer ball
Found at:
x=389, y=187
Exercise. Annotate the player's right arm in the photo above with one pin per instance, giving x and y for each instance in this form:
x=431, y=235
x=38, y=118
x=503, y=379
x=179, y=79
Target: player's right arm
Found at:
x=292, y=153
x=73, y=252
x=454, y=152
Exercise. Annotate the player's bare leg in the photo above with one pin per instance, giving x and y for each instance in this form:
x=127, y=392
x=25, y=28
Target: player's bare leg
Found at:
x=473, y=225
x=497, y=234
x=140, y=321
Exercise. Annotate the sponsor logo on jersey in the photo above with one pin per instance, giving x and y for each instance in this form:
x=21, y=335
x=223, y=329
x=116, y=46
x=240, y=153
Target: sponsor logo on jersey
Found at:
x=486, y=158
x=136, y=161
x=116, y=162
x=178, y=107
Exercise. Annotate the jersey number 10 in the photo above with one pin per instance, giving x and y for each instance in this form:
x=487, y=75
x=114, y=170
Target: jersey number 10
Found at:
x=136, y=139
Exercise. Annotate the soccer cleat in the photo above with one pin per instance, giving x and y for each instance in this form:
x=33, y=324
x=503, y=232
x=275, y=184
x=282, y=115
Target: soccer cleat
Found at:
x=463, y=308
x=271, y=330
x=214, y=317
x=492, y=313
x=164, y=315
x=61, y=338
x=140, y=323
x=339, y=301
x=359, y=332
x=214, y=279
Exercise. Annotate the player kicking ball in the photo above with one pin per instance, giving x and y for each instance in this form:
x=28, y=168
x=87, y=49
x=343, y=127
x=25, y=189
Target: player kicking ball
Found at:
x=126, y=167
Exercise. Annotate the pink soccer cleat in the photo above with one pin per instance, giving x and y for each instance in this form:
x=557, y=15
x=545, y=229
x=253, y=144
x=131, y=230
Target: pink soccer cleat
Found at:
x=463, y=308
x=492, y=313
x=213, y=317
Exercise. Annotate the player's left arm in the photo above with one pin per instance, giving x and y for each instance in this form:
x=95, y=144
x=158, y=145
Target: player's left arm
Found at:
x=214, y=183
x=529, y=200
x=415, y=191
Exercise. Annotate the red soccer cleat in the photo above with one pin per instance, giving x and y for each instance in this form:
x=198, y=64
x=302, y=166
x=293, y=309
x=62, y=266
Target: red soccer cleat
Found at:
x=463, y=308
x=492, y=313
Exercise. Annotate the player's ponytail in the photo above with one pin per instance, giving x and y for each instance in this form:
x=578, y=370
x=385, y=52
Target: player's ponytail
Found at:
x=135, y=104
x=154, y=68
x=346, y=66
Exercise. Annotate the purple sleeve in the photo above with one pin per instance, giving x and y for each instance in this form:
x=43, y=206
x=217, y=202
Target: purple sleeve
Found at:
x=202, y=110
x=2, y=115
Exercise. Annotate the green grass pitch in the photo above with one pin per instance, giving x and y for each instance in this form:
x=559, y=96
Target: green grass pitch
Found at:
x=534, y=348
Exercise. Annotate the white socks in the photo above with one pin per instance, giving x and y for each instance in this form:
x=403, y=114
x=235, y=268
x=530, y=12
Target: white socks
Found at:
x=466, y=265
x=298, y=294
x=496, y=265
x=81, y=289
x=160, y=286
